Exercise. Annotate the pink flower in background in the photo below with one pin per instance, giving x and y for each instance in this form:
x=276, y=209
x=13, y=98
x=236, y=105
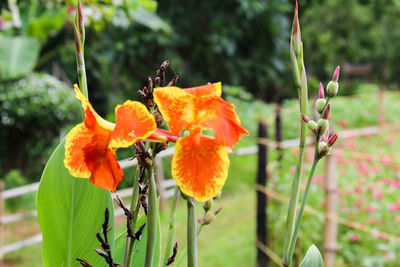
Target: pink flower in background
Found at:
x=389, y=140
x=386, y=160
x=379, y=196
x=342, y=123
x=354, y=238
x=363, y=169
x=397, y=218
x=381, y=236
x=370, y=210
x=318, y=180
x=358, y=189
x=394, y=207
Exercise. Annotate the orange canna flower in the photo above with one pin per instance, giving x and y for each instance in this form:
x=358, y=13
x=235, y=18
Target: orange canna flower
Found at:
x=200, y=163
x=90, y=146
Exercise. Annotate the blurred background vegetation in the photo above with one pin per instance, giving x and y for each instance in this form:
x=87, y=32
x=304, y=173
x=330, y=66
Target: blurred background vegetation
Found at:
x=243, y=43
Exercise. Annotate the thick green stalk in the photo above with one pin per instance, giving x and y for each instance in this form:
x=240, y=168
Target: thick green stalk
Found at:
x=135, y=205
x=172, y=224
x=300, y=77
x=184, y=252
x=191, y=233
x=295, y=191
x=151, y=217
x=303, y=204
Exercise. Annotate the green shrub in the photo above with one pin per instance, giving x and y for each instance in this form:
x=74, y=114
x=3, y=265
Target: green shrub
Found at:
x=33, y=110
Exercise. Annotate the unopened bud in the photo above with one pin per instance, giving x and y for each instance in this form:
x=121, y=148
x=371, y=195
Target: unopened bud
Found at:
x=332, y=88
x=210, y=217
x=325, y=136
x=312, y=125
x=208, y=205
x=304, y=118
x=335, y=77
x=322, y=127
x=320, y=105
x=326, y=112
x=322, y=149
x=321, y=91
x=332, y=140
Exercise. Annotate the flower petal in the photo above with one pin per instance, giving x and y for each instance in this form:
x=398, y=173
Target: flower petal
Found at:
x=200, y=166
x=92, y=119
x=176, y=106
x=219, y=115
x=74, y=160
x=208, y=89
x=132, y=122
x=107, y=173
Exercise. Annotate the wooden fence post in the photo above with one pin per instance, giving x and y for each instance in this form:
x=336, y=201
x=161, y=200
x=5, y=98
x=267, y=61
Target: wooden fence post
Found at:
x=278, y=131
x=331, y=202
x=381, y=105
x=262, y=259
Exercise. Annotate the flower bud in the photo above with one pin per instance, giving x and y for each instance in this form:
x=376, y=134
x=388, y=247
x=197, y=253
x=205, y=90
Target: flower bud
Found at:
x=321, y=91
x=332, y=140
x=320, y=105
x=312, y=125
x=208, y=205
x=322, y=149
x=304, y=118
x=335, y=77
x=332, y=88
x=322, y=127
x=210, y=217
x=326, y=112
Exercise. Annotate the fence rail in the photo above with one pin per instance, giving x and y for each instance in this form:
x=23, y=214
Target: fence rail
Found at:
x=167, y=185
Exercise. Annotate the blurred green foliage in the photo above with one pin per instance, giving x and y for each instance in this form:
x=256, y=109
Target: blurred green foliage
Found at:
x=27, y=201
x=33, y=110
x=336, y=32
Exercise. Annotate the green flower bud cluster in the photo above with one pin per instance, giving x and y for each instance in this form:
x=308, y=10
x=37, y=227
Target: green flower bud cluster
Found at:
x=332, y=88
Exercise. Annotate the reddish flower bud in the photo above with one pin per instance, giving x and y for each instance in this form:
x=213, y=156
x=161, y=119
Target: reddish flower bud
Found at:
x=335, y=77
x=332, y=140
x=326, y=112
x=321, y=91
x=304, y=118
x=325, y=136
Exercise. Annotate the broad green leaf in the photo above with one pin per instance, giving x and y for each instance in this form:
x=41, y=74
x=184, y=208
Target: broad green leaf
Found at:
x=313, y=258
x=140, y=246
x=71, y=212
x=150, y=20
x=47, y=23
x=18, y=56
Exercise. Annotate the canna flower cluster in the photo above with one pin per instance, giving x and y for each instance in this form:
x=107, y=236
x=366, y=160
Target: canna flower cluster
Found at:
x=200, y=162
x=321, y=128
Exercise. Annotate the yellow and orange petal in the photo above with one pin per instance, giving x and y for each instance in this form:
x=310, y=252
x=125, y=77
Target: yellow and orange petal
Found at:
x=107, y=174
x=74, y=160
x=92, y=119
x=132, y=122
x=208, y=89
x=200, y=166
x=177, y=107
x=220, y=116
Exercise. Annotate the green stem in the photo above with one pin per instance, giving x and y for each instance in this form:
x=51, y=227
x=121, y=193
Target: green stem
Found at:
x=296, y=185
x=151, y=217
x=184, y=252
x=130, y=242
x=80, y=60
x=172, y=224
x=303, y=204
x=191, y=233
